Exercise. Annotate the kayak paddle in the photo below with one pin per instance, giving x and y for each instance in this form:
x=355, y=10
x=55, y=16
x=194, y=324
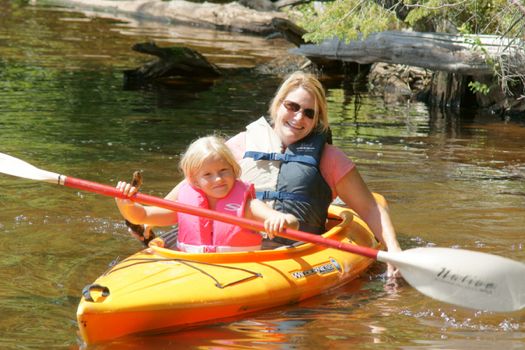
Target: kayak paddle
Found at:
x=461, y=277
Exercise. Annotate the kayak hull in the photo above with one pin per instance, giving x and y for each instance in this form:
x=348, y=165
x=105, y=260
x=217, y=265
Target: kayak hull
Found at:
x=158, y=290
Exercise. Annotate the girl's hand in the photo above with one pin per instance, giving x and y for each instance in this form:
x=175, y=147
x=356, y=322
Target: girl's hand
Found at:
x=277, y=222
x=128, y=190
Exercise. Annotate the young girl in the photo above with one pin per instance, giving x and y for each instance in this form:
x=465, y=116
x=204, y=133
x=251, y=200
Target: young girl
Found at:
x=211, y=181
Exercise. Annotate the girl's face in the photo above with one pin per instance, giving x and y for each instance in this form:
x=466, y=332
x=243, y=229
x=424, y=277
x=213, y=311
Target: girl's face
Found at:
x=215, y=177
x=295, y=117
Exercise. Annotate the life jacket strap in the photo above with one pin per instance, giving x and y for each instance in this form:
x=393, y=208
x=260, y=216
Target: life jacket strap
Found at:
x=282, y=157
x=273, y=195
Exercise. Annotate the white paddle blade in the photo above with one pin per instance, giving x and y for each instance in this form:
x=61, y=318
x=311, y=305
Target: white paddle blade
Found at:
x=17, y=167
x=461, y=277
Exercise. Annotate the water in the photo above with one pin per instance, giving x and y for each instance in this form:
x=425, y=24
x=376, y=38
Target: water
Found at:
x=451, y=181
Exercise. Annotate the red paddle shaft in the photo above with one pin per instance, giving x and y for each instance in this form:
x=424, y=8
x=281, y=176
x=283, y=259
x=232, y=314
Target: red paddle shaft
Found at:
x=211, y=214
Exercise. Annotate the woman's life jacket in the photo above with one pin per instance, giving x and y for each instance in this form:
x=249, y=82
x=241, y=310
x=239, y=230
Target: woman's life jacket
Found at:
x=200, y=235
x=290, y=180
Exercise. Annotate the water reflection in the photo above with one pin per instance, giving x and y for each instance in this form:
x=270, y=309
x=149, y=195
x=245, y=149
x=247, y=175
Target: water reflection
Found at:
x=236, y=334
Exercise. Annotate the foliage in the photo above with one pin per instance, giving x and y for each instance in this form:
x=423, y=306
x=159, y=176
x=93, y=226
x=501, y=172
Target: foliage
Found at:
x=347, y=19
x=472, y=17
x=350, y=19
x=476, y=86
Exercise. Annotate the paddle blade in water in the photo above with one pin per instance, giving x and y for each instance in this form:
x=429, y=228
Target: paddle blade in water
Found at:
x=16, y=167
x=461, y=277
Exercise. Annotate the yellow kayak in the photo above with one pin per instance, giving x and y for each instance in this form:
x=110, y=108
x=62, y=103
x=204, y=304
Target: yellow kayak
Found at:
x=162, y=290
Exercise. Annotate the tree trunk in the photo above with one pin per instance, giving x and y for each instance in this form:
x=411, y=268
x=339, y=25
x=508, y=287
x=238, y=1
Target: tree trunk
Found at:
x=447, y=90
x=456, y=60
x=435, y=51
x=231, y=16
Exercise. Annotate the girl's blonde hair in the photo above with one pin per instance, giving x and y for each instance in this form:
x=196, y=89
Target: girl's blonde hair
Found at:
x=202, y=149
x=310, y=83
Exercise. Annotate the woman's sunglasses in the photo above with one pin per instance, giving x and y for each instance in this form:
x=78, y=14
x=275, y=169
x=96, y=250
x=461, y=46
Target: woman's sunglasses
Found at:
x=295, y=107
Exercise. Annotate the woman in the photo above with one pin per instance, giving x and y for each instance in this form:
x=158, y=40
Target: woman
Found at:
x=291, y=165
x=299, y=121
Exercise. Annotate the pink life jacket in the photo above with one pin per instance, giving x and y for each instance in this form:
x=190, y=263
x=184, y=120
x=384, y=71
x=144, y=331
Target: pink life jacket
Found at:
x=199, y=234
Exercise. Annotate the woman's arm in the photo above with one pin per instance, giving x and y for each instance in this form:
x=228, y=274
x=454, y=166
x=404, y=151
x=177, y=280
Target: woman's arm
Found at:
x=355, y=193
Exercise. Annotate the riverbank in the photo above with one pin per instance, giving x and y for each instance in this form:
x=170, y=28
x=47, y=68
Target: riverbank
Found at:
x=397, y=83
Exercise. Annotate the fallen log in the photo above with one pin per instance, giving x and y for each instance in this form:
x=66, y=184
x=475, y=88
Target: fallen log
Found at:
x=465, y=55
x=456, y=60
x=229, y=17
x=289, y=30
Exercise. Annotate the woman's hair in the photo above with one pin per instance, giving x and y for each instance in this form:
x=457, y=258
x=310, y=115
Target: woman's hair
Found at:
x=311, y=84
x=203, y=149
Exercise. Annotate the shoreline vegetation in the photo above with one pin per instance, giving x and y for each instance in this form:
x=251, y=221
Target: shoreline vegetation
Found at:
x=437, y=68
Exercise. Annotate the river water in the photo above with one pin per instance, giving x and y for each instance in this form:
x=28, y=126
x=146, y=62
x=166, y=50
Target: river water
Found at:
x=451, y=180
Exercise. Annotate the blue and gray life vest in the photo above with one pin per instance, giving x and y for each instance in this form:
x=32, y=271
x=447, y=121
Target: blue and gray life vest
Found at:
x=291, y=180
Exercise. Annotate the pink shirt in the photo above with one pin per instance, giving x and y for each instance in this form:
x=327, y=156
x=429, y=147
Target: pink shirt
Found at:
x=334, y=163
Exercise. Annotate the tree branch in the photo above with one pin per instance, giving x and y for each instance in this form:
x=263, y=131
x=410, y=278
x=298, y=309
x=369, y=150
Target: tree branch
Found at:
x=518, y=5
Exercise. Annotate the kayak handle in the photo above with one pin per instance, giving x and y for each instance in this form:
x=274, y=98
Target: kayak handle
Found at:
x=86, y=292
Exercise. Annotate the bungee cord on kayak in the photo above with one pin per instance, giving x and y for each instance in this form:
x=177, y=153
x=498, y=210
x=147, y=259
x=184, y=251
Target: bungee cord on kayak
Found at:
x=187, y=262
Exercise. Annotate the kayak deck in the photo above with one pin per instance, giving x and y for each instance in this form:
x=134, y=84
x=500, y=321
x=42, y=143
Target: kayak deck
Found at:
x=159, y=289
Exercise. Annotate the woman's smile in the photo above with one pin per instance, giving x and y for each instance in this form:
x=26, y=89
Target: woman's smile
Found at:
x=293, y=125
